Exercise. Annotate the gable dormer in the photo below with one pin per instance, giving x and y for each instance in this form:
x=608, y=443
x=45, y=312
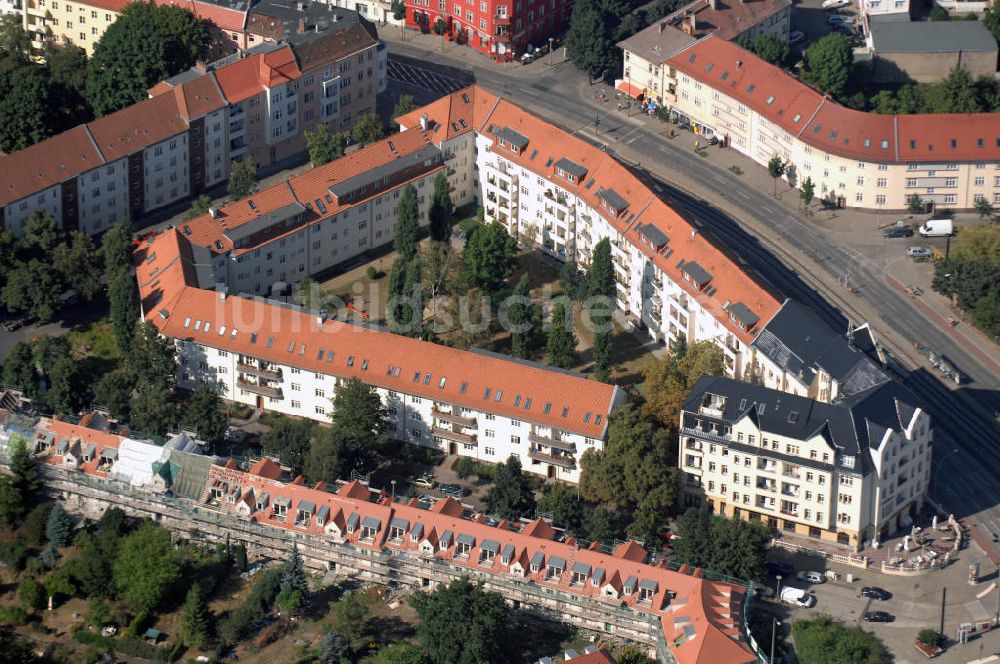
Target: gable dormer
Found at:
x=570, y=170
x=695, y=274
x=511, y=140
x=612, y=201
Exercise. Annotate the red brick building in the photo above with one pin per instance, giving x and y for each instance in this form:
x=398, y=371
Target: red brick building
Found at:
x=502, y=29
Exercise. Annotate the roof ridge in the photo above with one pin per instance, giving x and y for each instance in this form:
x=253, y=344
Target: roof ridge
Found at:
x=93, y=142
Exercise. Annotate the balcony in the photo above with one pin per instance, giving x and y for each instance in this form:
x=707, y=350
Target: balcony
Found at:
x=554, y=443
x=274, y=392
x=251, y=370
x=454, y=435
x=561, y=461
x=790, y=491
x=454, y=419
x=788, y=512
x=693, y=445
x=767, y=486
x=771, y=467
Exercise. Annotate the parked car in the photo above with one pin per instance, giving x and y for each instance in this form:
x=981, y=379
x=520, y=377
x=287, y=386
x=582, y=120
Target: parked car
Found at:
x=764, y=591
x=837, y=20
x=898, y=231
x=797, y=597
x=13, y=324
x=937, y=228
x=835, y=4
x=453, y=490
x=810, y=577
x=918, y=252
x=878, y=617
x=795, y=36
x=784, y=569
x=876, y=593
x=425, y=481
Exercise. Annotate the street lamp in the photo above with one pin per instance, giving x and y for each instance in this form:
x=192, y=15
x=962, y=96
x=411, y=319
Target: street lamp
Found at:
x=597, y=124
x=774, y=632
x=777, y=587
x=550, y=50
x=393, y=483
x=934, y=483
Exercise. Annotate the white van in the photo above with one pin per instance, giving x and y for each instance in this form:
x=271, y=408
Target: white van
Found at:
x=797, y=597
x=937, y=228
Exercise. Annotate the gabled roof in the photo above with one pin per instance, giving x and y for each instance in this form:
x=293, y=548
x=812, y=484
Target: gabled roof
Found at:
x=47, y=163
x=726, y=19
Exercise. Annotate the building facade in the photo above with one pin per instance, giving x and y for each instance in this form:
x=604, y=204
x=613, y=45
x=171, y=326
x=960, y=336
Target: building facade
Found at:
x=501, y=29
x=181, y=140
x=854, y=159
x=849, y=473
x=678, y=615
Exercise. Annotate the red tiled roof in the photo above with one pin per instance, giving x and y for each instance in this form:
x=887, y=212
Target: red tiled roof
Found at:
x=826, y=125
x=195, y=98
x=251, y=75
x=700, y=618
x=49, y=162
x=110, y=5
x=224, y=17
x=102, y=440
x=727, y=19
x=597, y=657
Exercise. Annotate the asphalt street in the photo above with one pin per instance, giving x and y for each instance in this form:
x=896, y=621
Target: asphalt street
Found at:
x=784, y=248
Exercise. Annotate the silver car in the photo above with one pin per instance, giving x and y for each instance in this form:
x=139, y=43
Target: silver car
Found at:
x=918, y=252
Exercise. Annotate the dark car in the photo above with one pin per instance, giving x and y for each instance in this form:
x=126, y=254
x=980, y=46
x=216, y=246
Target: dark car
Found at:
x=876, y=593
x=878, y=617
x=451, y=490
x=899, y=231
x=784, y=569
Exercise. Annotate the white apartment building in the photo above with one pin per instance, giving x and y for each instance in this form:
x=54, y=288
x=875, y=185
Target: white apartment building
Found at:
x=850, y=473
x=562, y=195
x=854, y=159
x=104, y=196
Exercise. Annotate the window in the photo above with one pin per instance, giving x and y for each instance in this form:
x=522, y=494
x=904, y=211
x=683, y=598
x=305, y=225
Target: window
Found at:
x=320, y=410
x=515, y=440
x=489, y=433
x=490, y=451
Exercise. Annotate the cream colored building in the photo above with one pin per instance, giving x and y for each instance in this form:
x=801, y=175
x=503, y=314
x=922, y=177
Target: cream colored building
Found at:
x=846, y=473
x=854, y=159
x=63, y=23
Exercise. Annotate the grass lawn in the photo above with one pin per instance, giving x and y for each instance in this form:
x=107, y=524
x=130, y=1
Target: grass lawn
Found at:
x=95, y=349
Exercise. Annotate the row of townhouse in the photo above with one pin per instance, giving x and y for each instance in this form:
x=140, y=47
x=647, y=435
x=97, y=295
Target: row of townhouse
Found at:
x=678, y=616
x=855, y=159
x=852, y=472
x=181, y=140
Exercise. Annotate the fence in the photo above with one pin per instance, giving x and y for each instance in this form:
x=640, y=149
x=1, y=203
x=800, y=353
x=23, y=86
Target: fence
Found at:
x=842, y=558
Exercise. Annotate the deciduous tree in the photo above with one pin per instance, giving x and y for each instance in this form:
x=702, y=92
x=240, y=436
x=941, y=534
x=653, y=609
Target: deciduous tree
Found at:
x=828, y=64
x=822, y=641
x=350, y=620
x=25, y=104
x=79, y=264
x=668, y=381
x=563, y=503
x=289, y=440
x=368, y=129
x=200, y=205
x=461, y=623
x=31, y=595
x=204, y=414
x=806, y=192
x=116, y=247
x=242, y=178
x=491, y=256
x=153, y=411
x=561, y=341
x=510, y=497
x=146, y=567
x=325, y=146
x=404, y=105
x=114, y=392
x=589, y=41
x=729, y=546
x=20, y=369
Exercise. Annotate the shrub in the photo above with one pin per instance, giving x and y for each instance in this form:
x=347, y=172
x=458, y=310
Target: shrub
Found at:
x=371, y=273
x=464, y=467
x=929, y=637
x=13, y=554
x=35, y=523
x=13, y=615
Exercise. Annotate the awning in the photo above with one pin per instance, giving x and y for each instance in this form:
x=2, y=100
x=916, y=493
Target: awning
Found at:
x=633, y=91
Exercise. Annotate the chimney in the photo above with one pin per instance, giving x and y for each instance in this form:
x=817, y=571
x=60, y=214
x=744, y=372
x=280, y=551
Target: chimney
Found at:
x=694, y=23
x=714, y=4
x=663, y=26
x=213, y=212
x=739, y=63
x=301, y=6
x=302, y=24
x=425, y=122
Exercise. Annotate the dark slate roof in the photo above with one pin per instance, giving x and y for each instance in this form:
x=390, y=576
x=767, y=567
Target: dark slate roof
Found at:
x=656, y=237
x=598, y=574
x=581, y=568
x=743, y=314
x=445, y=541
x=520, y=141
x=630, y=583
x=109, y=453
x=307, y=506
x=490, y=545
x=613, y=198
x=322, y=514
x=931, y=37
x=371, y=522
x=648, y=584
x=800, y=343
x=418, y=531
x=352, y=521
x=700, y=275
x=556, y=562
x=508, y=551
x=400, y=523
x=467, y=539
x=538, y=559
x=387, y=170
x=571, y=167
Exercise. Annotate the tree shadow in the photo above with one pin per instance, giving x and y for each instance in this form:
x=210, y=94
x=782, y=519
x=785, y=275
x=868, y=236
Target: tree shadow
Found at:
x=389, y=629
x=529, y=635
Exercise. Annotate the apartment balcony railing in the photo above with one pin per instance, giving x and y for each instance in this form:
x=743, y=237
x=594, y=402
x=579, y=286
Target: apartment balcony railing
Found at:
x=453, y=418
x=693, y=445
x=561, y=461
x=794, y=493
x=788, y=512
x=788, y=473
x=554, y=443
x=259, y=389
x=454, y=435
x=766, y=487
x=768, y=467
x=249, y=369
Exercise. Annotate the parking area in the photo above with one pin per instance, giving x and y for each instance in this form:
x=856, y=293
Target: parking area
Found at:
x=812, y=19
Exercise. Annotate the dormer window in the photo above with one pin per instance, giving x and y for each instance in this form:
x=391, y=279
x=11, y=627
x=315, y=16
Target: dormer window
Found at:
x=397, y=529
x=488, y=552
x=370, y=527
x=463, y=546
x=555, y=568
x=580, y=572
x=647, y=589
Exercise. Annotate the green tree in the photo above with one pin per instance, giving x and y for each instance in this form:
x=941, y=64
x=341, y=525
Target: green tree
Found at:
x=828, y=64
x=33, y=288
x=525, y=319
x=204, y=414
x=510, y=497
x=561, y=341
x=461, y=623
x=116, y=246
x=984, y=208
x=776, y=168
x=407, y=315
x=368, y=129
x=991, y=21
x=398, y=9
x=971, y=275
x=404, y=105
x=939, y=14
x=153, y=410
x=728, y=546
x=31, y=595
x=289, y=440
x=20, y=369
x=94, y=568
x=293, y=572
x=145, y=45
x=114, y=392
x=915, y=204
x=200, y=206
x=572, y=282
x=441, y=209
x=18, y=489
x=123, y=293
x=35, y=524
x=152, y=358
x=25, y=104
x=42, y=235
x=491, y=256
x=768, y=47
x=601, y=278
x=79, y=264
x=331, y=648
x=668, y=381
x=589, y=40
x=63, y=395
x=400, y=653
x=67, y=67
x=351, y=616
x=929, y=637
x=242, y=178
x=563, y=503
x=806, y=192
x=240, y=557
x=324, y=146
x=407, y=226
x=195, y=618
x=359, y=424
x=822, y=641
x=15, y=44
x=59, y=529
x=146, y=567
